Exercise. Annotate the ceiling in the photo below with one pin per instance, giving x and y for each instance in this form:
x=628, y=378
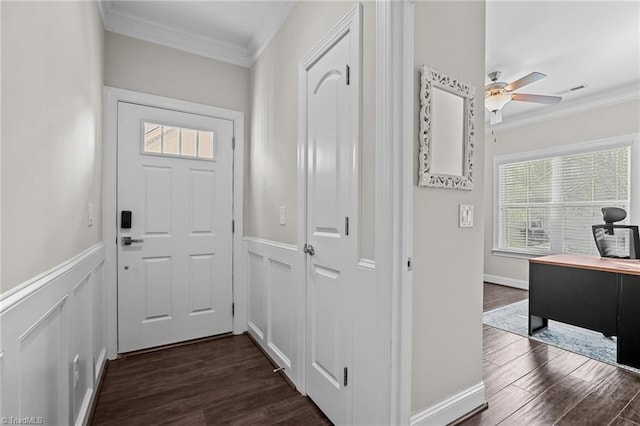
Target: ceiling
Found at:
x=590, y=43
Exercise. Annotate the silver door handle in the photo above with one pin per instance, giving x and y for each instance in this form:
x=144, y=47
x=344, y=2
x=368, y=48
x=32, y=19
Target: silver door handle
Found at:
x=127, y=241
x=308, y=248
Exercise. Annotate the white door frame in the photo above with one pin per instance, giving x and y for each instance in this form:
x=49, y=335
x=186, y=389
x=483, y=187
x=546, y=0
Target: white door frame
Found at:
x=109, y=210
x=394, y=186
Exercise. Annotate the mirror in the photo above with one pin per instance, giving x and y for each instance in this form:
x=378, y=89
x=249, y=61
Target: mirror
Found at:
x=446, y=131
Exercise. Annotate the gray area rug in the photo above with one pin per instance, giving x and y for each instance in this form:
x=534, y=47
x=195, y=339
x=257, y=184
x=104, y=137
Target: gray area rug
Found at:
x=515, y=319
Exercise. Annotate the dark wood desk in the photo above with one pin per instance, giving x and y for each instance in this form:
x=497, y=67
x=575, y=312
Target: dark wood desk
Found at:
x=590, y=292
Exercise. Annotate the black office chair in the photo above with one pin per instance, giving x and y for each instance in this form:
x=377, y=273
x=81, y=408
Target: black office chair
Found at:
x=616, y=241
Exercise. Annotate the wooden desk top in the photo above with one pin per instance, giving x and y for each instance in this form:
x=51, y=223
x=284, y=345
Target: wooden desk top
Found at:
x=620, y=266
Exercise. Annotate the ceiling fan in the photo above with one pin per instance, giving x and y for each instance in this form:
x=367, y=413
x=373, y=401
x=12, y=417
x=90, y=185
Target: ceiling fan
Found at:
x=498, y=93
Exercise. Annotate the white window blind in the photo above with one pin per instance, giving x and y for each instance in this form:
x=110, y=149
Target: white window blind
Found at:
x=547, y=205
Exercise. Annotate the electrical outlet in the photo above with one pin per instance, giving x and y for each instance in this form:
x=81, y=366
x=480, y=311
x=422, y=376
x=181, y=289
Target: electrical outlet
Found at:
x=282, y=215
x=76, y=370
x=89, y=214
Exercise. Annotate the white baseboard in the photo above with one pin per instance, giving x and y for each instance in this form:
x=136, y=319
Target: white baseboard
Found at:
x=451, y=409
x=47, y=322
x=509, y=282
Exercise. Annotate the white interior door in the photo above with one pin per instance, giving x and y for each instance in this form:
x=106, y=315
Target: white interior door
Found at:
x=175, y=177
x=330, y=164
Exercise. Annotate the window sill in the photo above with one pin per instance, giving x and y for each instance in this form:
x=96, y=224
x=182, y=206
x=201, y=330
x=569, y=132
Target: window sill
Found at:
x=515, y=254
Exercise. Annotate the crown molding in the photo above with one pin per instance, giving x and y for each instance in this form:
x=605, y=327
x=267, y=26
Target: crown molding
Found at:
x=611, y=97
x=101, y=6
x=278, y=13
x=196, y=43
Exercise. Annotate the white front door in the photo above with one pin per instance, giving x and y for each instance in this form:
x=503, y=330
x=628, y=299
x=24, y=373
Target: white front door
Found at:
x=175, y=274
x=330, y=165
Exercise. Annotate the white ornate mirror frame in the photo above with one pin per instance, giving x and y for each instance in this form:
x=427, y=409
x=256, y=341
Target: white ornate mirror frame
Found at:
x=431, y=80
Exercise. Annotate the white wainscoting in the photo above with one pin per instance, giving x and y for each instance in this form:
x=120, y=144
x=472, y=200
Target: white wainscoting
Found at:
x=276, y=320
x=276, y=299
x=46, y=324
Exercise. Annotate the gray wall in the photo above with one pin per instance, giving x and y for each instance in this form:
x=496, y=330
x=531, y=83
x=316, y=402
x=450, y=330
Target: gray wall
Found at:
x=604, y=122
x=272, y=167
x=158, y=70
x=447, y=277
x=52, y=77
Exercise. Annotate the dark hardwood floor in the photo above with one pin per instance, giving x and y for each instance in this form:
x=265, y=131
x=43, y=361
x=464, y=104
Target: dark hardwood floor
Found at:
x=221, y=381
x=531, y=383
x=229, y=381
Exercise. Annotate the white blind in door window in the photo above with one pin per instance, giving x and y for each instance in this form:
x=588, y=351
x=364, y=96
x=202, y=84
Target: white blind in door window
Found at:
x=177, y=141
x=547, y=205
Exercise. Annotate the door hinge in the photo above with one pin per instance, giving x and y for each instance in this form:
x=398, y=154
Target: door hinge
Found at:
x=346, y=225
x=409, y=266
x=348, y=72
x=233, y=142
x=233, y=226
x=233, y=309
x=346, y=374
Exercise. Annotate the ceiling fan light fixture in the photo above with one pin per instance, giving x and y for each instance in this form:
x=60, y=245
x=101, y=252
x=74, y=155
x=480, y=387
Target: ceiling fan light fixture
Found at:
x=497, y=101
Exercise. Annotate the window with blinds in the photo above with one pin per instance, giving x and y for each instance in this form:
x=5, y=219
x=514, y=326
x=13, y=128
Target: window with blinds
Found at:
x=547, y=204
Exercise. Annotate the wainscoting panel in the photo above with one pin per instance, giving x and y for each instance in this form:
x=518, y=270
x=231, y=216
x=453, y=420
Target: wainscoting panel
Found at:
x=280, y=324
x=276, y=302
x=257, y=291
x=53, y=342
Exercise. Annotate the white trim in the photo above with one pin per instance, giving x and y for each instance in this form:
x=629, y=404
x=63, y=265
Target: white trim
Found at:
x=612, y=97
x=188, y=41
x=85, y=408
x=100, y=364
x=566, y=149
x=13, y=296
x=272, y=253
x=276, y=244
x=509, y=282
x=101, y=11
x=394, y=192
x=453, y=408
x=111, y=98
x=367, y=264
x=632, y=140
x=52, y=298
x=239, y=270
x=513, y=254
x=279, y=13
x=194, y=42
x=42, y=319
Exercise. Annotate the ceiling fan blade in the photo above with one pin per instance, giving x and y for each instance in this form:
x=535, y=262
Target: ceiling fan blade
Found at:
x=539, y=99
x=527, y=79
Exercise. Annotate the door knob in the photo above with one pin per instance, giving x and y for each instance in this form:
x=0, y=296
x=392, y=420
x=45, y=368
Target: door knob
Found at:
x=127, y=241
x=308, y=248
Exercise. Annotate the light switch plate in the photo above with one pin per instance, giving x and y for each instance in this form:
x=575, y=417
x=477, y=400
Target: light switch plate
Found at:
x=466, y=215
x=282, y=215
